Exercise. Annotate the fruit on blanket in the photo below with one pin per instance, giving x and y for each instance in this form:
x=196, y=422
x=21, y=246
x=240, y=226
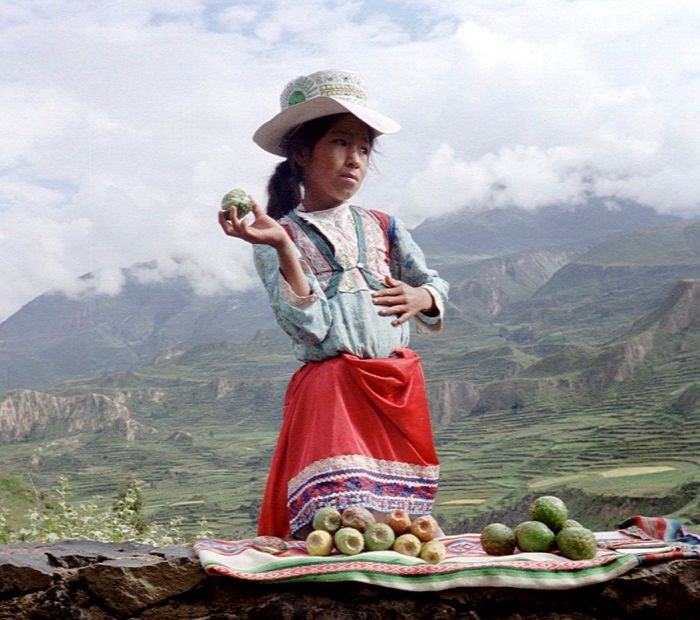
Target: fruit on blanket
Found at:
x=349, y=541
x=327, y=518
x=534, y=536
x=379, y=536
x=425, y=528
x=433, y=551
x=549, y=510
x=407, y=544
x=576, y=543
x=399, y=521
x=571, y=523
x=319, y=542
x=358, y=517
x=239, y=199
x=269, y=544
x=497, y=539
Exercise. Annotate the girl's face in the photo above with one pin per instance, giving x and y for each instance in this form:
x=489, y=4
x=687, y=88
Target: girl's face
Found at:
x=335, y=168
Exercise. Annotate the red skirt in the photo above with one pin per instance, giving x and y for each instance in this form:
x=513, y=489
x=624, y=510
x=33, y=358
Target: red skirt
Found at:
x=354, y=432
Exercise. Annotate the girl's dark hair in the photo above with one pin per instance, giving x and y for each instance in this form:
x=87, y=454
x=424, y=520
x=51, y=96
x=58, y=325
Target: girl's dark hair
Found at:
x=284, y=186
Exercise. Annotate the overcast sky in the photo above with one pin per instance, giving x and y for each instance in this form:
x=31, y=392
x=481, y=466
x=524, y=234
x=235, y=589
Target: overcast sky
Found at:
x=123, y=122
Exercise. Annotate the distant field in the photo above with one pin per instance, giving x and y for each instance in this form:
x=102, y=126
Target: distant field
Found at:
x=462, y=502
x=624, y=472
x=619, y=472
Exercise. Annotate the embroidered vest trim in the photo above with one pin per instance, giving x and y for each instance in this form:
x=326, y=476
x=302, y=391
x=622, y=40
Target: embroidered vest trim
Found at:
x=326, y=249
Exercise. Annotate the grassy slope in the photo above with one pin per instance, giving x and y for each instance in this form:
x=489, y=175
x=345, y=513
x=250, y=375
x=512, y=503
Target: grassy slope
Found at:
x=574, y=439
x=559, y=432
x=677, y=244
x=16, y=497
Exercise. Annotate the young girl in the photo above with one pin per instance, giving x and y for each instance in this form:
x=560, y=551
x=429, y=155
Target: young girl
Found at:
x=343, y=282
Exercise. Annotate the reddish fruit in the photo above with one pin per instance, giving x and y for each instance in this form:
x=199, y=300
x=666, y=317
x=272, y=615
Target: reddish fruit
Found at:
x=425, y=528
x=399, y=521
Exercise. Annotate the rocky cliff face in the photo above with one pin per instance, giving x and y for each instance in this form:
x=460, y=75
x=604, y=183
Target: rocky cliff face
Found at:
x=485, y=287
x=619, y=362
x=451, y=399
x=29, y=414
x=588, y=367
x=82, y=580
x=679, y=311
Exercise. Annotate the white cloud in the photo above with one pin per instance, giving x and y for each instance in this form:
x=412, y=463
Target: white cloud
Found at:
x=124, y=122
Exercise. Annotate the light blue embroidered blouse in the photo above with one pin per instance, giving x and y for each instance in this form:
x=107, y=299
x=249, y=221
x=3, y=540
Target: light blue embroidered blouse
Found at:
x=347, y=322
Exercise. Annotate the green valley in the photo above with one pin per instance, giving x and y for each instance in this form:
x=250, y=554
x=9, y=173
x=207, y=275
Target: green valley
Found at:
x=582, y=380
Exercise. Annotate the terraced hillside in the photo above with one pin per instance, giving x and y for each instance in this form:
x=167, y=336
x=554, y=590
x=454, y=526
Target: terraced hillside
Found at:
x=216, y=422
x=214, y=410
x=609, y=286
x=572, y=392
x=635, y=433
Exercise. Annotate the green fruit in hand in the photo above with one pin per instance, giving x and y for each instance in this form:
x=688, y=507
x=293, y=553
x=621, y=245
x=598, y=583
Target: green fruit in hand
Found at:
x=550, y=510
x=433, y=551
x=407, y=544
x=534, y=536
x=379, y=536
x=497, y=539
x=327, y=518
x=577, y=543
x=349, y=541
x=358, y=517
x=319, y=542
x=239, y=199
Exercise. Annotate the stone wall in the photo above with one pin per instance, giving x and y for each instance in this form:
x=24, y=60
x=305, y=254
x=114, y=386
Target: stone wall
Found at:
x=82, y=580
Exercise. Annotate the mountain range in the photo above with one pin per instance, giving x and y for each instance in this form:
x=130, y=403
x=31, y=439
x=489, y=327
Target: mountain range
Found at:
x=570, y=362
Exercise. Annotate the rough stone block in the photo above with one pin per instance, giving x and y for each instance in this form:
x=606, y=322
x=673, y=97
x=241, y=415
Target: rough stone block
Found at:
x=129, y=585
x=19, y=574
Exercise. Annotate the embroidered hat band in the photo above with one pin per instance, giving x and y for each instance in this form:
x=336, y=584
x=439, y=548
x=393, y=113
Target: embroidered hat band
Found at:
x=319, y=94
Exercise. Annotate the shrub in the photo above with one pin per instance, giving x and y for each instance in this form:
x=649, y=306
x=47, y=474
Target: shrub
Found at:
x=62, y=519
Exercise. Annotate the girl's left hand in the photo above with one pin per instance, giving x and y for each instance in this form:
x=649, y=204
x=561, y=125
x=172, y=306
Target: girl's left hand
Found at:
x=403, y=300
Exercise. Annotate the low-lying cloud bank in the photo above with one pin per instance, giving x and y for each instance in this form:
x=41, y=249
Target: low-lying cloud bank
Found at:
x=124, y=123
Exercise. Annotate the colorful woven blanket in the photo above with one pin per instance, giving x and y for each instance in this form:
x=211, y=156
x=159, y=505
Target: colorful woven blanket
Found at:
x=466, y=564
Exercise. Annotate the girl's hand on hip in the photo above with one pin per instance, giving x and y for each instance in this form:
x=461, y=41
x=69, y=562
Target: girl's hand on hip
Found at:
x=402, y=300
x=262, y=230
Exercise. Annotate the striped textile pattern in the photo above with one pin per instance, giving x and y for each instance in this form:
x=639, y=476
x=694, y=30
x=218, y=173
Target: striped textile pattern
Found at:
x=466, y=564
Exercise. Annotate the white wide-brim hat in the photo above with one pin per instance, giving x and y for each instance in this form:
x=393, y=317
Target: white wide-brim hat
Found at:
x=320, y=94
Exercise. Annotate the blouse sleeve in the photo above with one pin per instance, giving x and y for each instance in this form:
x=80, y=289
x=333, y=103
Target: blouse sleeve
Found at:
x=408, y=264
x=306, y=319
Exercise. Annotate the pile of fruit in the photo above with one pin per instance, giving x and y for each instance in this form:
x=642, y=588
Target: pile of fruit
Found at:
x=355, y=530
x=548, y=529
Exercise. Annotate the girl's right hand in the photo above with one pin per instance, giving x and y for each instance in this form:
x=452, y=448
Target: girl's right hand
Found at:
x=262, y=230
x=267, y=230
